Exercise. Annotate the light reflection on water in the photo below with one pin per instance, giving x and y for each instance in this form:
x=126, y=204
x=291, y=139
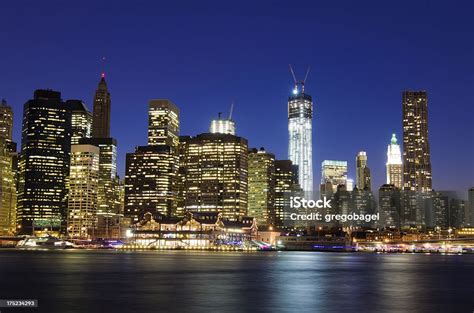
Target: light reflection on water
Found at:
x=183, y=281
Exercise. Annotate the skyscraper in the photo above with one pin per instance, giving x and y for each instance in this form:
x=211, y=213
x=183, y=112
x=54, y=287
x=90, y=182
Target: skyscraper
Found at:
x=416, y=147
x=6, y=120
x=8, y=170
x=101, y=115
x=7, y=190
x=261, y=186
x=390, y=206
x=163, y=123
x=44, y=163
x=81, y=120
x=215, y=169
x=107, y=201
x=362, y=172
x=394, y=164
x=222, y=125
x=286, y=186
x=470, y=208
x=83, y=189
x=150, y=182
x=300, y=114
x=334, y=173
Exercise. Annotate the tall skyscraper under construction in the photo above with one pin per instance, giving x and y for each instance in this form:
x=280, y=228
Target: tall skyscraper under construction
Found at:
x=300, y=147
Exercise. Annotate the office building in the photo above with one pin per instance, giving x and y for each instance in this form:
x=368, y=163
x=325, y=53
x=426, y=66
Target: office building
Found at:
x=390, y=206
x=261, y=186
x=163, y=123
x=83, y=190
x=362, y=172
x=300, y=114
x=222, y=125
x=150, y=182
x=215, y=169
x=6, y=120
x=333, y=173
x=394, y=164
x=470, y=208
x=101, y=110
x=8, y=171
x=81, y=120
x=286, y=186
x=44, y=163
x=108, y=184
x=416, y=148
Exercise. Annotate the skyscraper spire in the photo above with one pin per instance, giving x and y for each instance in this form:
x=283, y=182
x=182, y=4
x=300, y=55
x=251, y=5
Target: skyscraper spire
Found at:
x=102, y=72
x=101, y=110
x=300, y=115
x=394, y=139
x=394, y=163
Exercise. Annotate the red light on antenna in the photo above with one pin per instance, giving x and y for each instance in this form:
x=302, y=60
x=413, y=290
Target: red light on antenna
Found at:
x=102, y=75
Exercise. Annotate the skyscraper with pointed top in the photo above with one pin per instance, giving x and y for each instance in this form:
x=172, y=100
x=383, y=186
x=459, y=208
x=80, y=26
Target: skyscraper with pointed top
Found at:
x=394, y=164
x=101, y=115
x=300, y=147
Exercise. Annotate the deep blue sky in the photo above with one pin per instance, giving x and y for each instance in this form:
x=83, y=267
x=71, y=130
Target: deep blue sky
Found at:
x=202, y=55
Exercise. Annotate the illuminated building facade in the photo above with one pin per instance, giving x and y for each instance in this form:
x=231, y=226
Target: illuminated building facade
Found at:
x=163, y=123
x=194, y=230
x=300, y=114
x=101, y=111
x=6, y=120
x=81, y=120
x=83, y=189
x=394, y=164
x=7, y=190
x=349, y=184
x=333, y=173
x=8, y=160
x=150, y=182
x=363, y=181
x=222, y=125
x=416, y=148
x=108, y=185
x=44, y=163
x=286, y=186
x=261, y=186
x=215, y=169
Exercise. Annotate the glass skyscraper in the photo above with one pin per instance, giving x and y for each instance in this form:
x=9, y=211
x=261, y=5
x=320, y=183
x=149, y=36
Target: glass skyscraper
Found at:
x=44, y=163
x=300, y=114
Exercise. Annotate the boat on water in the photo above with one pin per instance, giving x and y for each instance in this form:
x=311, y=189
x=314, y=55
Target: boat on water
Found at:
x=45, y=242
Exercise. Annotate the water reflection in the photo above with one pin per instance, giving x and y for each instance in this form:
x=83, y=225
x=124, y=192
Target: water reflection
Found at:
x=179, y=281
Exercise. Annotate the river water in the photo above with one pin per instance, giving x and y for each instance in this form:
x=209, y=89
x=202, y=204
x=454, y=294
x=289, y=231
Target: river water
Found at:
x=183, y=281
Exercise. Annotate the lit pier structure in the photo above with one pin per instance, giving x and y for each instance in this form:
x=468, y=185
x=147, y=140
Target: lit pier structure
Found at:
x=193, y=231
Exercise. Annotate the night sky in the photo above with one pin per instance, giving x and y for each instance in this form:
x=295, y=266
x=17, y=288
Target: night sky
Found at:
x=204, y=55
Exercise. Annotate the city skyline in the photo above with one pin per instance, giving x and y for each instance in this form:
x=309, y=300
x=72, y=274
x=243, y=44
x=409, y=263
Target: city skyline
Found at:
x=133, y=88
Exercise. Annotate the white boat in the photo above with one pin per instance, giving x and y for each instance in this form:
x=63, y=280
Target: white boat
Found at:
x=46, y=242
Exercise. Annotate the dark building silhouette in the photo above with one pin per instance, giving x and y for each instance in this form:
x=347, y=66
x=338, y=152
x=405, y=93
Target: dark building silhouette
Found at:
x=390, y=206
x=101, y=115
